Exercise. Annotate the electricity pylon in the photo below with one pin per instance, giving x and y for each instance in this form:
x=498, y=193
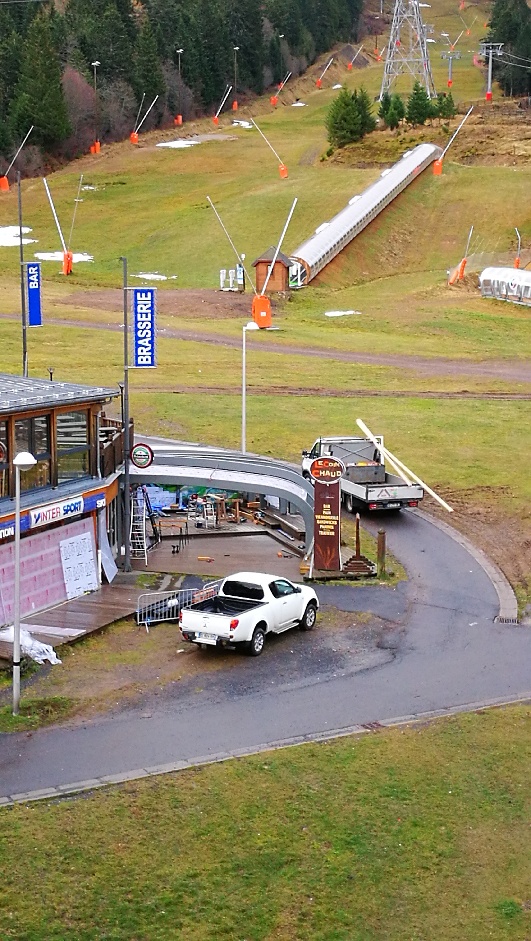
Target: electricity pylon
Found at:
x=408, y=50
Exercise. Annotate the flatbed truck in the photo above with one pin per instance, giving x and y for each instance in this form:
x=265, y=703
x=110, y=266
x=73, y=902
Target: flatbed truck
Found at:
x=366, y=484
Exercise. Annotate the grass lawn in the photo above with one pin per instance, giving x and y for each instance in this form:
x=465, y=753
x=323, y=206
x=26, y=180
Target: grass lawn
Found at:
x=413, y=834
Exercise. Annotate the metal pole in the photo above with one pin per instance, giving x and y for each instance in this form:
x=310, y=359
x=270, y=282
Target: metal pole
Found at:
x=244, y=404
x=236, y=48
x=16, y=616
x=127, y=443
x=489, y=76
x=22, y=286
x=380, y=553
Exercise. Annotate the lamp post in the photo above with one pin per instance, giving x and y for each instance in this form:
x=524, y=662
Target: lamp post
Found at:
x=179, y=53
x=127, y=441
x=280, y=38
x=22, y=462
x=236, y=50
x=95, y=65
x=248, y=326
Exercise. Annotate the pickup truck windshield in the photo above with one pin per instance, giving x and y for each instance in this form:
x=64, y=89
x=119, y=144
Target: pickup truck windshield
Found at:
x=243, y=590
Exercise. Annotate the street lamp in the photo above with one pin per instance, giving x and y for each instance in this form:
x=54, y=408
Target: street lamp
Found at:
x=236, y=50
x=280, y=38
x=96, y=122
x=22, y=462
x=179, y=53
x=248, y=326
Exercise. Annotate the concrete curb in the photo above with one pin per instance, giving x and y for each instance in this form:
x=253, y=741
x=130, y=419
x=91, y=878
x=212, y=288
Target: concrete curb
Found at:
x=79, y=787
x=508, y=613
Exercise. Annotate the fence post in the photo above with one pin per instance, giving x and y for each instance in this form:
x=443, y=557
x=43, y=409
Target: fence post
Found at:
x=380, y=553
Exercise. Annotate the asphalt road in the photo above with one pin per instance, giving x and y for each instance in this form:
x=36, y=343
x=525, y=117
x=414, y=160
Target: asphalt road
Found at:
x=434, y=645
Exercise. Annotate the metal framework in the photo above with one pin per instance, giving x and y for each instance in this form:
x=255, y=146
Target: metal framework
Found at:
x=407, y=50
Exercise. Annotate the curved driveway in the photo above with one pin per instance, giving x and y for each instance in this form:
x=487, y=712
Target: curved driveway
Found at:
x=437, y=647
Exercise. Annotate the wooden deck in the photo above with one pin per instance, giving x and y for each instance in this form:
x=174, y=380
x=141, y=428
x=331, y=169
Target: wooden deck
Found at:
x=71, y=620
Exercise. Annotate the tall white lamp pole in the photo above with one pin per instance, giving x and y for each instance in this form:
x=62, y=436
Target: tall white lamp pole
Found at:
x=22, y=462
x=248, y=326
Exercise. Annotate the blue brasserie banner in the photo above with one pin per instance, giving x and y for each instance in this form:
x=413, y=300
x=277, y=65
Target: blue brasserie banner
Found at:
x=144, y=328
x=33, y=280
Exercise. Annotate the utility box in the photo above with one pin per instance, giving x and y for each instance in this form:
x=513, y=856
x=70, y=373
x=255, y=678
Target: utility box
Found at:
x=262, y=310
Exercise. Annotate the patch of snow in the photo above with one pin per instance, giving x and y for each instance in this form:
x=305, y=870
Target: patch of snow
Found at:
x=341, y=313
x=154, y=276
x=88, y=187
x=246, y=124
x=337, y=86
x=178, y=144
x=299, y=104
x=58, y=256
x=10, y=236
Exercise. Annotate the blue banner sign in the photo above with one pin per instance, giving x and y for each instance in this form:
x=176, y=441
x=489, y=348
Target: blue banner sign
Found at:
x=144, y=330
x=33, y=275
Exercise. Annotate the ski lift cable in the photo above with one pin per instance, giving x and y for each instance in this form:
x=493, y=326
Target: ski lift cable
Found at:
x=76, y=203
x=50, y=200
x=266, y=140
x=19, y=149
x=138, y=112
x=275, y=256
x=235, y=250
x=137, y=128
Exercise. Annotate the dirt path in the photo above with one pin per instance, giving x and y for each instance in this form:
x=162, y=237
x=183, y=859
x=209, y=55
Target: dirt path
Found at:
x=509, y=370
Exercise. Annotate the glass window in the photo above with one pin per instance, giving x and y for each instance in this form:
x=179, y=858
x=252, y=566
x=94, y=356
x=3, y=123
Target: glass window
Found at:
x=4, y=465
x=33, y=435
x=73, y=452
x=72, y=430
x=72, y=465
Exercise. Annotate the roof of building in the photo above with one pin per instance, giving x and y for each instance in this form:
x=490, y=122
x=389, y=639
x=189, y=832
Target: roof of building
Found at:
x=270, y=254
x=23, y=395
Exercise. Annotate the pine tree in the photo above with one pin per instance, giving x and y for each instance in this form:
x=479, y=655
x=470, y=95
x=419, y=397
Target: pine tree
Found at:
x=385, y=104
x=445, y=106
x=398, y=107
x=392, y=119
x=149, y=79
x=368, y=122
x=419, y=106
x=343, y=122
x=38, y=97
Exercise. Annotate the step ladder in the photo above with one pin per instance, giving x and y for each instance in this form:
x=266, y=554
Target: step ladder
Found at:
x=152, y=516
x=138, y=540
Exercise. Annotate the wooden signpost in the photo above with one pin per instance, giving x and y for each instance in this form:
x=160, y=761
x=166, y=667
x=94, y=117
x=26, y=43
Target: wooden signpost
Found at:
x=327, y=473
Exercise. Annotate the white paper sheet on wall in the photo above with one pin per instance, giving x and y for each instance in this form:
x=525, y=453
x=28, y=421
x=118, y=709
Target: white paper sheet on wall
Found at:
x=79, y=565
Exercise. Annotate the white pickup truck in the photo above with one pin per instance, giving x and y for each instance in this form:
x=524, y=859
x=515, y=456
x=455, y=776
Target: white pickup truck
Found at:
x=243, y=608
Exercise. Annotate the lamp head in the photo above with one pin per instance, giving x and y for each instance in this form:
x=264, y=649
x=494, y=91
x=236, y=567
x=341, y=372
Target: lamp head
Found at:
x=24, y=461
x=236, y=48
x=252, y=325
x=95, y=64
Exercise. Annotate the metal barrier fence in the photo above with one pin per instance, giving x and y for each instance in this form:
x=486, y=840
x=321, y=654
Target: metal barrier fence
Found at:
x=156, y=606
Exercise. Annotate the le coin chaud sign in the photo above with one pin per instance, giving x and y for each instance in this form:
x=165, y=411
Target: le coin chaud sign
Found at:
x=327, y=469
x=327, y=473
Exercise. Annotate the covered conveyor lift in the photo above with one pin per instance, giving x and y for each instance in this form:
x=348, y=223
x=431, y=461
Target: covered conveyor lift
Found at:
x=188, y=465
x=330, y=238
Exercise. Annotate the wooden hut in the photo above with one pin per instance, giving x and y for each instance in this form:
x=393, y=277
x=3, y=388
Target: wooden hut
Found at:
x=279, y=280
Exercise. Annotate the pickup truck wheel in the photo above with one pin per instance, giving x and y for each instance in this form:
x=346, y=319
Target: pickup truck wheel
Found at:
x=256, y=644
x=309, y=618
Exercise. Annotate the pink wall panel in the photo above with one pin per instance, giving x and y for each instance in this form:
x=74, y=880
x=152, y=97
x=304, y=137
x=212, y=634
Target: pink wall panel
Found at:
x=41, y=572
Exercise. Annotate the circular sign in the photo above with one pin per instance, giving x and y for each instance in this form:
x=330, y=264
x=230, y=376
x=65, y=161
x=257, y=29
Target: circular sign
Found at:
x=327, y=470
x=142, y=455
x=3, y=453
